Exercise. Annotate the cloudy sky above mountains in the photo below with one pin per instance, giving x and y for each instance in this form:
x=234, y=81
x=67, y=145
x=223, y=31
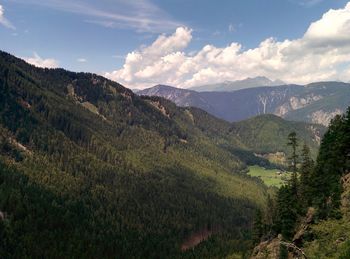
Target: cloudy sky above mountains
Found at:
x=185, y=42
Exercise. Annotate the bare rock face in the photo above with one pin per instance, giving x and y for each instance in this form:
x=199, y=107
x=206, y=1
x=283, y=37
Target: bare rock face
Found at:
x=268, y=249
x=324, y=117
x=282, y=110
x=301, y=102
x=297, y=102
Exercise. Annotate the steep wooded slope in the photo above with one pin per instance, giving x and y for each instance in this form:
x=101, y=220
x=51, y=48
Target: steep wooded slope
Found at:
x=89, y=169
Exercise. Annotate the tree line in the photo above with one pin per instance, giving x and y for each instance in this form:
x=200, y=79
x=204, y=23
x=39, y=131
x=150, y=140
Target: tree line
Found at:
x=315, y=184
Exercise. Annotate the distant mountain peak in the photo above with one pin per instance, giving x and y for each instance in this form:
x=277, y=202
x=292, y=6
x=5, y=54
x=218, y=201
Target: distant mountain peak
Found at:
x=160, y=86
x=160, y=90
x=249, y=82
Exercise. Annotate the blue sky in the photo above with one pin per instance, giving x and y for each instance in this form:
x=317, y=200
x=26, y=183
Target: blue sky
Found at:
x=96, y=36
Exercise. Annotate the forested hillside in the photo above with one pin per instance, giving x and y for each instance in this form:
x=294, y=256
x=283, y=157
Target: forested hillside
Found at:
x=268, y=133
x=88, y=169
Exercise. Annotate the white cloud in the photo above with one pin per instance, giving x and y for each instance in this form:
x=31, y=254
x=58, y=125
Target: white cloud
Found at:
x=333, y=26
x=40, y=62
x=155, y=61
x=140, y=15
x=82, y=60
x=4, y=21
x=323, y=53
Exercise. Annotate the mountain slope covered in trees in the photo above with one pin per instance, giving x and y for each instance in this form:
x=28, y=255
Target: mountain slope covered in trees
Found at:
x=89, y=169
x=267, y=133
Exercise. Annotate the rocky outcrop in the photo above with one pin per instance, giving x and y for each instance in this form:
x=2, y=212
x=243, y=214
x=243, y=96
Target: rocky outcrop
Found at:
x=324, y=117
x=268, y=249
x=160, y=107
x=301, y=102
x=272, y=250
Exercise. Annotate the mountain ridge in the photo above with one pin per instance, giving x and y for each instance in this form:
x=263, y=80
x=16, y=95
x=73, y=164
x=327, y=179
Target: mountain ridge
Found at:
x=314, y=103
x=228, y=86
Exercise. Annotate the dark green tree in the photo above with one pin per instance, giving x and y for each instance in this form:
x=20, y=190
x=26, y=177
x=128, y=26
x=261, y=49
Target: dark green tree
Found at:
x=287, y=212
x=293, y=161
x=258, y=227
x=288, y=205
x=325, y=180
x=306, y=168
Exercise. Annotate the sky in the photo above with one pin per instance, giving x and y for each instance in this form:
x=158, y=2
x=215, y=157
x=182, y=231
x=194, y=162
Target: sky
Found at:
x=183, y=43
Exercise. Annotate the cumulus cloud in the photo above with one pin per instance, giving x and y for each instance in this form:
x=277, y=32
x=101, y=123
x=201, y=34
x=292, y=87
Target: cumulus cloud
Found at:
x=4, y=21
x=323, y=53
x=155, y=62
x=37, y=61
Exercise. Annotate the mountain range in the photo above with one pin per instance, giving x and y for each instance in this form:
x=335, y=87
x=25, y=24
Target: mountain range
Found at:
x=228, y=86
x=315, y=103
x=90, y=169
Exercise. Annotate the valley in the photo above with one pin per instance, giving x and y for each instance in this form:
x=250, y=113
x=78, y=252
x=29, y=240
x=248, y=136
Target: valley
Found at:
x=116, y=173
x=270, y=177
x=151, y=129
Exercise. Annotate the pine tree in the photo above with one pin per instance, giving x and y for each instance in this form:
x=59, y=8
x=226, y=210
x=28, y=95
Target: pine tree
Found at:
x=288, y=208
x=258, y=227
x=326, y=188
x=287, y=212
x=346, y=140
x=293, y=161
x=270, y=216
x=307, y=165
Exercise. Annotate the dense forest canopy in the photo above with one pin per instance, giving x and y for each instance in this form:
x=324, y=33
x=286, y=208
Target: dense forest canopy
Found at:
x=89, y=169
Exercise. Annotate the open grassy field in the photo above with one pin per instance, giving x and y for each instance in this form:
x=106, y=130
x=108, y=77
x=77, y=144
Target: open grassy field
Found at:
x=271, y=177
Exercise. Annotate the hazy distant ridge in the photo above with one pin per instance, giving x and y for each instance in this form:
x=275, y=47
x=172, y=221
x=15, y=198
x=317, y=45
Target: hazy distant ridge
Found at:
x=316, y=102
x=239, y=84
